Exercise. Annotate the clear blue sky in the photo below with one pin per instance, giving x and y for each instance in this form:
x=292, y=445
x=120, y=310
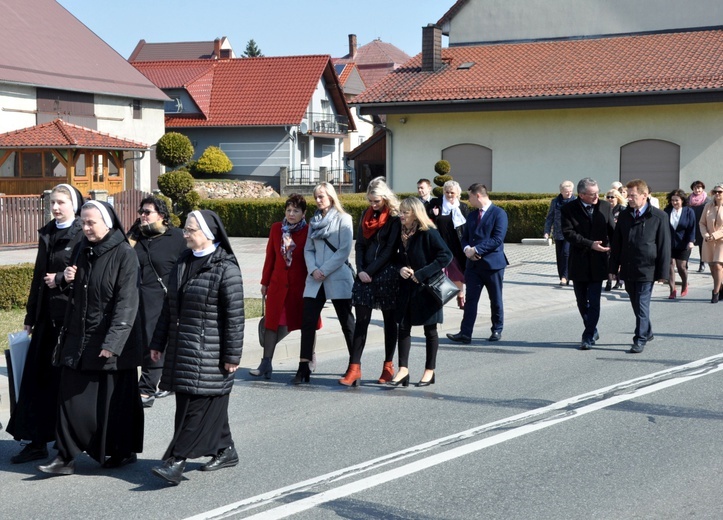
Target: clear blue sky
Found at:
x=279, y=27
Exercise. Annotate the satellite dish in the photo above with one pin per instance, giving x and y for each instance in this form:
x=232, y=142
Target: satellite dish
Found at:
x=303, y=128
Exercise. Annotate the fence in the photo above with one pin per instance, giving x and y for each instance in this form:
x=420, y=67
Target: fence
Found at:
x=126, y=204
x=20, y=218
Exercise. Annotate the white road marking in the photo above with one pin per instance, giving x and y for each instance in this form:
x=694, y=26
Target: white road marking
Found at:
x=601, y=398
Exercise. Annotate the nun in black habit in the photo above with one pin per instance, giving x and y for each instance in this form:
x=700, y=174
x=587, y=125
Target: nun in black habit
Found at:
x=34, y=416
x=201, y=331
x=100, y=409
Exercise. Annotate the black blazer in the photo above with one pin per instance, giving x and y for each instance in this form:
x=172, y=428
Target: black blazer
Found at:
x=586, y=265
x=684, y=232
x=452, y=236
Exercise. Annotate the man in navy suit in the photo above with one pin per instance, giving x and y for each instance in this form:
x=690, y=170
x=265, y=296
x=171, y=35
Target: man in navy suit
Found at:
x=483, y=244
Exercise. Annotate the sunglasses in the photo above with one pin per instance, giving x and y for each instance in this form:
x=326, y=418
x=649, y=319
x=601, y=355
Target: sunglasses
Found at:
x=146, y=212
x=610, y=196
x=716, y=192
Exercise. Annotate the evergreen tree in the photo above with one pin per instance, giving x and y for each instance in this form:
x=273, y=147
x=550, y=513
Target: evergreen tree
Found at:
x=252, y=50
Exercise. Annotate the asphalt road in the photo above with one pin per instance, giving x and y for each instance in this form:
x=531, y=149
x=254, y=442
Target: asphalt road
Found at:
x=527, y=428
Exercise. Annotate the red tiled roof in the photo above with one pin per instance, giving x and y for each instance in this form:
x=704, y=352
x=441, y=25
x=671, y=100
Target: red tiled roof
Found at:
x=42, y=44
x=375, y=60
x=163, y=51
x=245, y=91
x=650, y=63
x=59, y=134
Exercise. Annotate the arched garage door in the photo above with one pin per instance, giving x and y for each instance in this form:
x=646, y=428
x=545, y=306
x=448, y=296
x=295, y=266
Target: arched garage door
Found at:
x=656, y=162
x=470, y=163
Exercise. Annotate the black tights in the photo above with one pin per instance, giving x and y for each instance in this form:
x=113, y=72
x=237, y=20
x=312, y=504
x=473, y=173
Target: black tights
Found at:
x=405, y=345
x=363, y=317
x=310, y=317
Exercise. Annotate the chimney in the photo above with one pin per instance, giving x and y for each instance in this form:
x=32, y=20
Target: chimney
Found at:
x=431, y=48
x=352, y=46
x=216, y=48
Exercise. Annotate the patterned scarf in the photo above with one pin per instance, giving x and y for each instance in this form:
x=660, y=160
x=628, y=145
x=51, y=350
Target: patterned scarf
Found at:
x=287, y=243
x=407, y=233
x=374, y=221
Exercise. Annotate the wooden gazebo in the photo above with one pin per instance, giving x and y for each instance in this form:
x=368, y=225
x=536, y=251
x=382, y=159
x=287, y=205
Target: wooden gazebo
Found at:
x=37, y=158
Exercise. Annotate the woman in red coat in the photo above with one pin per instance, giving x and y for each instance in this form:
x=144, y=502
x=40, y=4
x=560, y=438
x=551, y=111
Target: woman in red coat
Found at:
x=283, y=279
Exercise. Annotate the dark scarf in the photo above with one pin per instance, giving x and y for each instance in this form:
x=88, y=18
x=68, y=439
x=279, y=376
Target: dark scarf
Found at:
x=287, y=242
x=407, y=234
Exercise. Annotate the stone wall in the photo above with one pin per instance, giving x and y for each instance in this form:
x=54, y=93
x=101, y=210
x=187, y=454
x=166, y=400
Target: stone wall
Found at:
x=234, y=190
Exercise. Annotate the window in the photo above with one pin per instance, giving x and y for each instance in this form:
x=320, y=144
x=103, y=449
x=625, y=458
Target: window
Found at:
x=470, y=163
x=655, y=161
x=304, y=151
x=32, y=164
x=137, y=109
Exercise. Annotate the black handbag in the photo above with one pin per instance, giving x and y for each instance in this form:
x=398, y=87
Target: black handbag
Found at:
x=441, y=288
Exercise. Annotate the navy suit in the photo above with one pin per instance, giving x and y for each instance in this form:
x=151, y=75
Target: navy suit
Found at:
x=684, y=232
x=487, y=237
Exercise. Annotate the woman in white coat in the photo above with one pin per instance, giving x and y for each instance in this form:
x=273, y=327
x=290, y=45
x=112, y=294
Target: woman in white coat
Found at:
x=330, y=276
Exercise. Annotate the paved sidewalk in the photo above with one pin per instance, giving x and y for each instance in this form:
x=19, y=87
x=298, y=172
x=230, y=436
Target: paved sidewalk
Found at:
x=530, y=288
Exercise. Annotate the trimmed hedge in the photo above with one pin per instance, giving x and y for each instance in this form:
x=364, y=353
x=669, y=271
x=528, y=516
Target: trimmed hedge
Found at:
x=15, y=283
x=254, y=217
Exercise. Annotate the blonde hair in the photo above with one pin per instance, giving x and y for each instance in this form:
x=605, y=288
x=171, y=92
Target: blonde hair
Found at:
x=453, y=184
x=331, y=193
x=567, y=184
x=618, y=196
x=379, y=188
x=414, y=205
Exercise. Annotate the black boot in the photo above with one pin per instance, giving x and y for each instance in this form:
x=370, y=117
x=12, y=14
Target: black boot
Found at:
x=265, y=369
x=303, y=374
x=58, y=466
x=225, y=458
x=31, y=452
x=715, y=297
x=171, y=471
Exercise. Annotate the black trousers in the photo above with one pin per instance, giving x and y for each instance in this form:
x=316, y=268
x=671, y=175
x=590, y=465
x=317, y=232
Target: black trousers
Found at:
x=363, y=317
x=310, y=317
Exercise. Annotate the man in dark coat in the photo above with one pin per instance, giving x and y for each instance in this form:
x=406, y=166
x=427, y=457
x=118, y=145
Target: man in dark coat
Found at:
x=641, y=249
x=587, y=224
x=483, y=244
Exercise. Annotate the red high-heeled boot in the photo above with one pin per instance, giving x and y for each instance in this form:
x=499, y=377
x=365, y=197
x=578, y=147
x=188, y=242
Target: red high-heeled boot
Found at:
x=352, y=376
x=387, y=373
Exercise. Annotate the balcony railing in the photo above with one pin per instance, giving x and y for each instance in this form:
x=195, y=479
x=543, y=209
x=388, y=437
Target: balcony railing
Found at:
x=306, y=175
x=320, y=123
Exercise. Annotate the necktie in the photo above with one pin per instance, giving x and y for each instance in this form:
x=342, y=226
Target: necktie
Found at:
x=479, y=216
x=589, y=210
x=637, y=214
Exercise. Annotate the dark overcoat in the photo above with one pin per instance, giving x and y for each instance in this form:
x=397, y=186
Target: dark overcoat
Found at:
x=427, y=254
x=581, y=230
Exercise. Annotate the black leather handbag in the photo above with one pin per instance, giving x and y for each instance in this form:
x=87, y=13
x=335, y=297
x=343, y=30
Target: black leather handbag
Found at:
x=441, y=288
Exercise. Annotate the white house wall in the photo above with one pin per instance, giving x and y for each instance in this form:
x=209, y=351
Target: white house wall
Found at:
x=115, y=117
x=533, y=151
x=17, y=107
x=504, y=20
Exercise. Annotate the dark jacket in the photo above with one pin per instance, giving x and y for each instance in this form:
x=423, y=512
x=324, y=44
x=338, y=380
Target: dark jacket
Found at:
x=157, y=255
x=452, y=236
x=641, y=248
x=104, y=303
x=427, y=254
x=51, y=258
x=375, y=253
x=585, y=264
x=684, y=232
x=553, y=222
x=202, y=326
x=487, y=238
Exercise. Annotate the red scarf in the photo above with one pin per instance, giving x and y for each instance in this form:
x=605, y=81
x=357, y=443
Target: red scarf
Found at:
x=372, y=224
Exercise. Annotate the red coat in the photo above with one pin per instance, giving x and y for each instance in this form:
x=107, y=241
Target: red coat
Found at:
x=285, y=284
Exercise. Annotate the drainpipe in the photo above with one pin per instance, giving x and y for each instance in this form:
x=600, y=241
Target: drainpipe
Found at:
x=137, y=180
x=390, y=148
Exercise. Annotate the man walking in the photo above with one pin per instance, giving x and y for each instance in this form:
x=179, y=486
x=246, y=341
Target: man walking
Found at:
x=483, y=244
x=424, y=189
x=641, y=248
x=587, y=224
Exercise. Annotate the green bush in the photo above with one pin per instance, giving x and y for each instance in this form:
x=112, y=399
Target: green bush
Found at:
x=15, y=283
x=174, y=150
x=176, y=184
x=212, y=162
x=254, y=217
x=442, y=167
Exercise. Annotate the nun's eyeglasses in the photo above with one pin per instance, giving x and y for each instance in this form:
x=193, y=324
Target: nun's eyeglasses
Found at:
x=190, y=231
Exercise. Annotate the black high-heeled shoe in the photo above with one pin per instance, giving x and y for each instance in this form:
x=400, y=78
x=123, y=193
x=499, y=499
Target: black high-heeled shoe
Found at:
x=303, y=374
x=403, y=381
x=427, y=383
x=265, y=369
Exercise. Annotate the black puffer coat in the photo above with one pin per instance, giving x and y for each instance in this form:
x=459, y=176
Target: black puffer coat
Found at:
x=104, y=303
x=202, y=326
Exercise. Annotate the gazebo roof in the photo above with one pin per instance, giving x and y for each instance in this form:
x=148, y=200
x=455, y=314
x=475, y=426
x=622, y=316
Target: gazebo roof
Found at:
x=59, y=134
